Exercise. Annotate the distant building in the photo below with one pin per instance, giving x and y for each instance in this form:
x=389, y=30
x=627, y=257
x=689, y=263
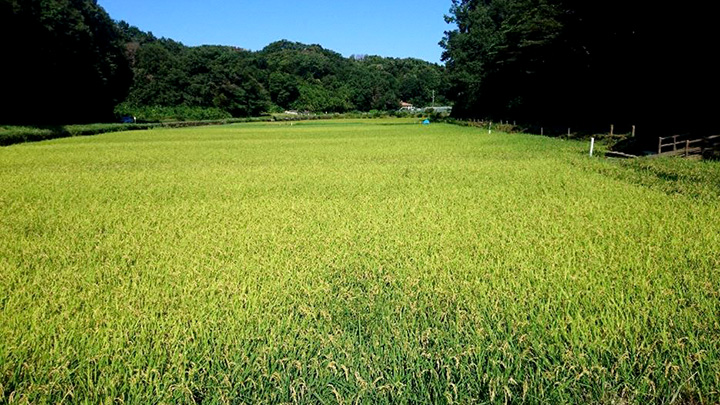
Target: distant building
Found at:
x=406, y=106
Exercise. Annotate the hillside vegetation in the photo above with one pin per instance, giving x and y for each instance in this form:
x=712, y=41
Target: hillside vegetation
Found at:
x=70, y=63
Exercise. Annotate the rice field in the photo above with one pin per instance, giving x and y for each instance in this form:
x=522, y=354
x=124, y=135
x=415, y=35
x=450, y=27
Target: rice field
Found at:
x=375, y=261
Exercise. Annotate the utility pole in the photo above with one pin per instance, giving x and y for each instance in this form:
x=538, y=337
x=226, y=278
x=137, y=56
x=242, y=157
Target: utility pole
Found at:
x=433, y=101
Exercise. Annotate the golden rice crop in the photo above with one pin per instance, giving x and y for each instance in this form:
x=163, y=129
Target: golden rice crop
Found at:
x=344, y=261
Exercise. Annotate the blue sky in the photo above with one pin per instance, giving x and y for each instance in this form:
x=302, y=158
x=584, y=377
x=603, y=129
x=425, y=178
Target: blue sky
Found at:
x=373, y=27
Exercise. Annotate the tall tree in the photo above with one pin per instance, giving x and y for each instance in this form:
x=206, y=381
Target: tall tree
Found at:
x=64, y=61
x=583, y=63
x=499, y=55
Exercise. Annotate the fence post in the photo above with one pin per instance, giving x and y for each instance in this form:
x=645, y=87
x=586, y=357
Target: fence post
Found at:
x=633, y=131
x=687, y=147
x=674, y=142
x=612, y=129
x=659, y=145
x=592, y=145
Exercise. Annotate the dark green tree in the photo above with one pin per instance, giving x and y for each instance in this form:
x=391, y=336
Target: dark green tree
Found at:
x=169, y=74
x=585, y=64
x=283, y=88
x=64, y=61
x=498, y=54
x=159, y=77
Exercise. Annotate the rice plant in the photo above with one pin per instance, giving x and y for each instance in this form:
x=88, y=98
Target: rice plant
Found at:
x=353, y=261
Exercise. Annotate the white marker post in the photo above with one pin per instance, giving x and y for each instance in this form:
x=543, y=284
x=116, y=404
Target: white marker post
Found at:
x=592, y=145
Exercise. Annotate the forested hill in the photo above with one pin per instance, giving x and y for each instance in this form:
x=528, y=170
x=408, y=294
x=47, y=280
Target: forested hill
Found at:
x=284, y=75
x=67, y=61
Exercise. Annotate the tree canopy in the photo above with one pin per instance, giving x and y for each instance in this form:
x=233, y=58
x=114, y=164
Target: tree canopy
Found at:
x=64, y=61
x=67, y=61
x=584, y=64
x=284, y=75
x=581, y=63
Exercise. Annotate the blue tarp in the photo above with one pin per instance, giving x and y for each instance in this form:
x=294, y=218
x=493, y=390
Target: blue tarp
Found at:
x=426, y=122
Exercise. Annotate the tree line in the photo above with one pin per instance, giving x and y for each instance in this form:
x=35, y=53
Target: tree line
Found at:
x=69, y=62
x=282, y=76
x=585, y=64
x=557, y=63
x=63, y=62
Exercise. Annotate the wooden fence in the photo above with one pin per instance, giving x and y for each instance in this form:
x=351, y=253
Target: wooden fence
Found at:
x=672, y=146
